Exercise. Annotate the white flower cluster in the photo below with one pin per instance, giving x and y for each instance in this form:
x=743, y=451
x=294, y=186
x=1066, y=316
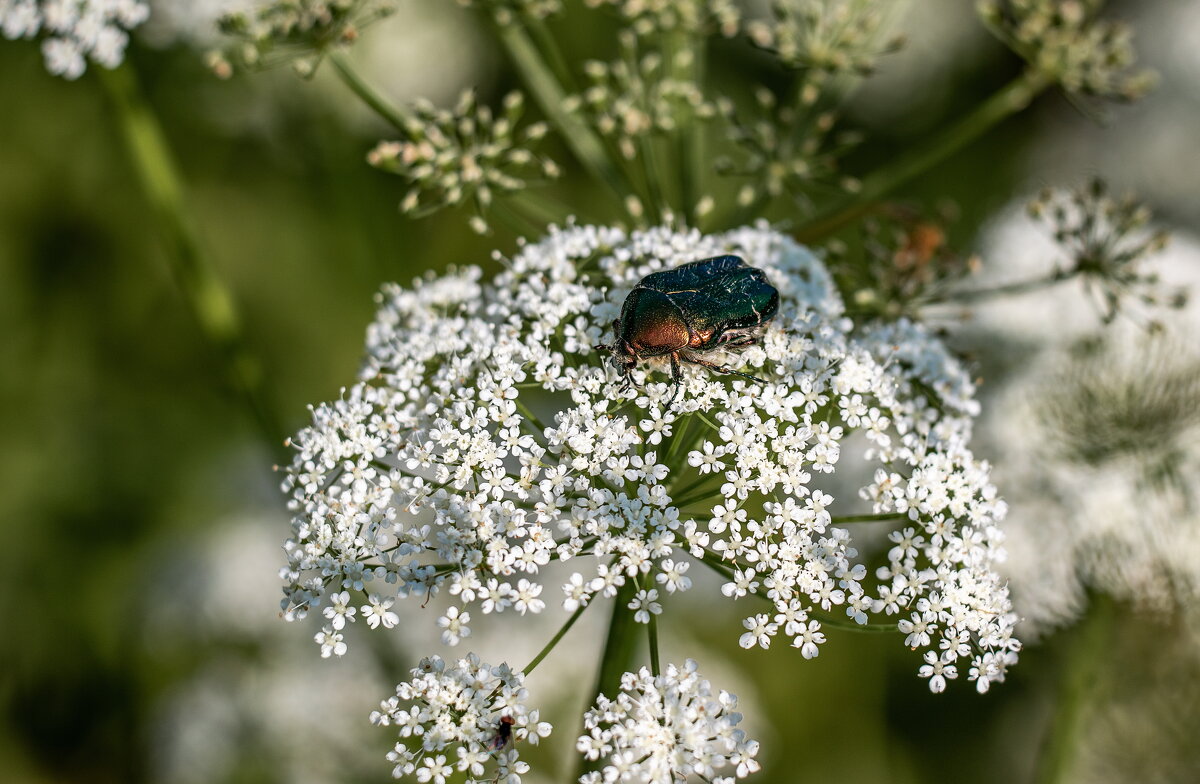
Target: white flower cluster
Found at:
x=472, y=709
x=74, y=31
x=666, y=728
x=487, y=438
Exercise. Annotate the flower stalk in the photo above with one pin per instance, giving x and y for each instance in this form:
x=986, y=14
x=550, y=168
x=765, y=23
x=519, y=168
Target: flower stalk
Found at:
x=1005, y=102
x=1078, y=684
x=206, y=295
x=620, y=652
x=391, y=113
x=548, y=93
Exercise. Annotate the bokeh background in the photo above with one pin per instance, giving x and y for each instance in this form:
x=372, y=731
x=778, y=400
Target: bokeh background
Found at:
x=141, y=520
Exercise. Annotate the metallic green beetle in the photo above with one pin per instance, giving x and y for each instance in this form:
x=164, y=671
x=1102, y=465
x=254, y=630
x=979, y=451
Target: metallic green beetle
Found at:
x=720, y=302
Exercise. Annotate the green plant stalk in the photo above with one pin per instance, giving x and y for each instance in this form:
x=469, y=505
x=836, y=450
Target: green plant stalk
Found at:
x=1082, y=667
x=1007, y=289
x=652, y=640
x=206, y=296
x=548, y=92
x=867, y=518
x=1005, y=102
x=544, y=652
x=550, y=50
x=391, y=113
x=691, y=162
x=620, y=650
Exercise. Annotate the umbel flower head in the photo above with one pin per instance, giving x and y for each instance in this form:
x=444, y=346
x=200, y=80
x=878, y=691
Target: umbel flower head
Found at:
x=465, y=717
x=74, y=31
x=486, y=438
x=1112, y=461
x=296, y=32
x=666, y=728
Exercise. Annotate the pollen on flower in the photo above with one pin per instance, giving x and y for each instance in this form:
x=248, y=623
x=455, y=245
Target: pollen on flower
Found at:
x=485, y=440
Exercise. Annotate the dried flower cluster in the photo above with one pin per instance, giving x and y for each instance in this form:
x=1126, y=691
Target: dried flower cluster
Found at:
x=666, y=728
x=1065, y=41
x=74, y=31
x=785, y=149
x=902, y=263
x=1106, y=240
x=461, y=717
x=296, y=32
x=639, y=95
x=465, y=155
x=829, y=36
x=436, y=473
x=646, y=17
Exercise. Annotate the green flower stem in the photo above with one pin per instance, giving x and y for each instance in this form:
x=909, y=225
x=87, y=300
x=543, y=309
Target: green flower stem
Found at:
x=620, y=652
x=206, y=296
x=544, y=652
x=550, y=50
x=867, y=518
x=548, y=92
x=1080, y=673
x=657, y=204
x=652, y=639
x=1007, y=101
x=1008, y=289
x=391, y=113
x=689, y=130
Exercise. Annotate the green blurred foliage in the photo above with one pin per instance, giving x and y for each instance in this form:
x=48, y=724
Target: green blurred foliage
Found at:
x=121, y=448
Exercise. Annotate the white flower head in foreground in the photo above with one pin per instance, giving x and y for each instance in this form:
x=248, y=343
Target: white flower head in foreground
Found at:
x=487, y=438
x=74, y=31
x=461, y=717
x=666, y=728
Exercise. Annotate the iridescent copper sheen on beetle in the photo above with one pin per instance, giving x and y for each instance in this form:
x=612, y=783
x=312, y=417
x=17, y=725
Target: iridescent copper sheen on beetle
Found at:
x=720, y=302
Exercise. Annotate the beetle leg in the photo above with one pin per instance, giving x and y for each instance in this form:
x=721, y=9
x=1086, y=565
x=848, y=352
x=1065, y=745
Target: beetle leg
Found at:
x=676, y=377
x=741, y=341
x=721, y=368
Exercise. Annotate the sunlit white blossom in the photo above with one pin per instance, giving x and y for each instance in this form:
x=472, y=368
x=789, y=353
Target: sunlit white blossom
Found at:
x=486, y=439
x=449, y=718
x=666, y=728
x=74, y=31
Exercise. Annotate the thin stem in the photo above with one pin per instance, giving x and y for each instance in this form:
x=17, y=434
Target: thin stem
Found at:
x=205, y=294
x=544, y=652
x=548, y=92
x=1008, y=100
x=867, y=518
x=692, y=163
x=550, y=50
x=391, y=113
x=1008, y=289
x=1088, y=650
x=652, y=639
x=620, y=649
x=530, y=417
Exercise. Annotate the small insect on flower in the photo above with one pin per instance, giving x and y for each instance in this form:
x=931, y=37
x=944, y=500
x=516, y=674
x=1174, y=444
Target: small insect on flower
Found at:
x=503, y=734
x=720, y=302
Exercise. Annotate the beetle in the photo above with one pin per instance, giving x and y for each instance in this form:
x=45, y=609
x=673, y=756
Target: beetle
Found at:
x=720, y=302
